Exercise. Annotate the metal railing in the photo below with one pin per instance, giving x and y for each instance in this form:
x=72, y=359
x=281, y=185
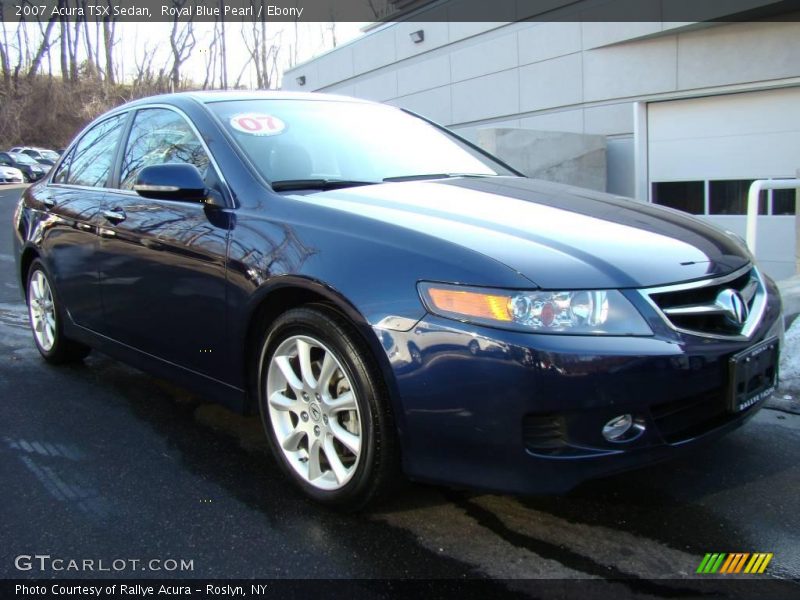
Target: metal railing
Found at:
x=752, y=204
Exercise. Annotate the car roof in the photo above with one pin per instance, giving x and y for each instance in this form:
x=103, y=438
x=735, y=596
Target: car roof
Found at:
x=208, y=97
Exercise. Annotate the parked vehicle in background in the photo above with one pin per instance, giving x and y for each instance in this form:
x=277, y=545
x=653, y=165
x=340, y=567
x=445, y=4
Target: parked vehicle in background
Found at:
x=40, y=155
x=388, y=296
x=11, y=175
x=31, y=170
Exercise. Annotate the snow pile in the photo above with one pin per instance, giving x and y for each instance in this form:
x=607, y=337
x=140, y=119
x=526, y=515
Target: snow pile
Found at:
x=790, y=357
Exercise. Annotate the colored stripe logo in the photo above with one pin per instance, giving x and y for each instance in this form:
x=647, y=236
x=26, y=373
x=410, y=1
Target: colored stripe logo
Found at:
x=735, y=562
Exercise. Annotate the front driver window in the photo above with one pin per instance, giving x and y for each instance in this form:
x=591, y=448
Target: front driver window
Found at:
x=160, y=136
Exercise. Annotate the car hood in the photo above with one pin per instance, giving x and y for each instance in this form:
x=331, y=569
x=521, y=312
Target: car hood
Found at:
x=554, y=235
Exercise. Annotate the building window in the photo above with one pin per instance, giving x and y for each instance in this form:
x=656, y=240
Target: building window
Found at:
x=729, y=197
x=725, y=197
x=688, y=196
x=783, y=202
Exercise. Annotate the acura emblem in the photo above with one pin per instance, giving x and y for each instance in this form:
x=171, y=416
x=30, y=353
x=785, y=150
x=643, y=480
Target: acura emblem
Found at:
x=733, y=305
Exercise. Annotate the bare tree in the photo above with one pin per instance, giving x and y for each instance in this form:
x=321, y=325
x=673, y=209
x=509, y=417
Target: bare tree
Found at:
x=223, y=48
x=145, y=76
x=21, y=37
x=5, y=64
x=210, y=57
x=73, y=43
x=181, y=41
x=92, y=64
x=97, y=27
x=44, y=47
x=262, y=73
x=109, y=25
x=263, y=51
x=64, y=38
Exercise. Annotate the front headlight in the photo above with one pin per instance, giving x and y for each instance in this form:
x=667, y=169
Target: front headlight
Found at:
x=581, y=312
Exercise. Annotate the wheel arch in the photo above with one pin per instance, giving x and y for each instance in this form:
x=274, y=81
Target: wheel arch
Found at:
x=287, y=292
x=29, y=254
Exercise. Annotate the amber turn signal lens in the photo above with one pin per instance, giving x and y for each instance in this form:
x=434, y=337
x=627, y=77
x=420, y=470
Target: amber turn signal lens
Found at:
x=471, y=304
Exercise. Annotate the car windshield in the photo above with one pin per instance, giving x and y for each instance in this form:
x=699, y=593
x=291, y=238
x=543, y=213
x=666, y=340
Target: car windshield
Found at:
x=23, y=159
x=324, y=142
x=50, y=154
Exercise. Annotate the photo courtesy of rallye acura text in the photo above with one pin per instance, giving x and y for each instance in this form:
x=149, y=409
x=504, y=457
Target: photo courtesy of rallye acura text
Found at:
x=392, y=300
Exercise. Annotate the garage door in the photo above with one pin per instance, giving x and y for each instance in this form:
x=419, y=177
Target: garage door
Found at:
x=703, y=153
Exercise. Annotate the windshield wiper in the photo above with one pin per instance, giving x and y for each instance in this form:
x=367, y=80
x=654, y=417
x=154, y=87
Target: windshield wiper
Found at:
x=316, y=184
x=436, y=176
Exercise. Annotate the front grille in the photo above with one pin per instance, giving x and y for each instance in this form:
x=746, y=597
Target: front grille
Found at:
x=725, y=307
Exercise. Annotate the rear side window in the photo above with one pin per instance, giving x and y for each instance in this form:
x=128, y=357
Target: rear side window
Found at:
x=91, y=161
x=62, y=172
x=160, y=136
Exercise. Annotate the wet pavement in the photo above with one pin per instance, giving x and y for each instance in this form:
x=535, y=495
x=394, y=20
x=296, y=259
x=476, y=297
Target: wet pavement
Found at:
x=100, y=461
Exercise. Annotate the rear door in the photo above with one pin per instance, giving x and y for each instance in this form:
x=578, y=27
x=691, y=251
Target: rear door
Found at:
x=162, y=263
x=73, y=203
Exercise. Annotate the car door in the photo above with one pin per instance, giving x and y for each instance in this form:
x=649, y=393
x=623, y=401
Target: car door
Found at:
x=162, y=263
x=72, y=203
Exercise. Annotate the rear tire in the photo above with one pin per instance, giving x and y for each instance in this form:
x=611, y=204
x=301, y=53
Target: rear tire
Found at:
x=46, y=319
x=325, y=409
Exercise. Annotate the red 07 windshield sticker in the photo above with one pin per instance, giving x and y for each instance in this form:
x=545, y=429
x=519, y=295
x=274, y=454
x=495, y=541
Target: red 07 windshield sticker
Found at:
x=257, y=124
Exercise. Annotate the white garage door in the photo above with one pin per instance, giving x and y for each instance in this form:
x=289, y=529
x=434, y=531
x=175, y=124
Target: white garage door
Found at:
x=703, y=153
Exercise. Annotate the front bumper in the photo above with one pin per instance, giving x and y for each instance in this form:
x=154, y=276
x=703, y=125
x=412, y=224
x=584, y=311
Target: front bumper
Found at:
x=523, y=413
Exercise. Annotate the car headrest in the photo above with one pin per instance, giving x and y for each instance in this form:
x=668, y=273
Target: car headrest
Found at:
x=289, y=161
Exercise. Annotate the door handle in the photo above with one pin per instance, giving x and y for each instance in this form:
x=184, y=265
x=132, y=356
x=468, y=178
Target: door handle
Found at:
x=114, y=216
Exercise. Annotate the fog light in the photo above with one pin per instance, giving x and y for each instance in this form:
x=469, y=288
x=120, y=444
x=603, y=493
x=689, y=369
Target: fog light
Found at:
x=617, y=427
x=623, y=428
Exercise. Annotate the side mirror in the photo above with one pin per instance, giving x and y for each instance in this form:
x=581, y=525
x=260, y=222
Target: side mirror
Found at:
x=174, y=181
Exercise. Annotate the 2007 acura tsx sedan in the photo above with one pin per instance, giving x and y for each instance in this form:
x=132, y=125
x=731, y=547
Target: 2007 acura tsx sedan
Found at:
x=389, y=297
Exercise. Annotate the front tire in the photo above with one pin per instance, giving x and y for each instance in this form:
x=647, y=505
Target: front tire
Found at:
x=325, y=409
x=46, y=320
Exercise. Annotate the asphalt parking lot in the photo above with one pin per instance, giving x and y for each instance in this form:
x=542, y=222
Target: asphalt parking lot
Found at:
x=101, y=461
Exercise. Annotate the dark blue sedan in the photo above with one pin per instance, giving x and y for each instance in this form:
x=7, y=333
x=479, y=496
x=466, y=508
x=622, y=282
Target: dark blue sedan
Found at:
x=390, y=298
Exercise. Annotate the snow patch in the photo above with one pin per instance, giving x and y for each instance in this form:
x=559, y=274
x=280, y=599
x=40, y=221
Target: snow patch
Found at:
x=790, y=356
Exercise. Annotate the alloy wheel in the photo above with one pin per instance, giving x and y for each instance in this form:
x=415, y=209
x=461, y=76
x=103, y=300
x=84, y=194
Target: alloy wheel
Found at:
x=314, y=412
x=42, y=311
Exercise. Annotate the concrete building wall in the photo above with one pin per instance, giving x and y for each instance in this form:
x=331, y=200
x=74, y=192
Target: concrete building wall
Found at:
x=575, y=77
x=571, y=158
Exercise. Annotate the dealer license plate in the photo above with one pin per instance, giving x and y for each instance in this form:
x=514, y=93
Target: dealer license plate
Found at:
x=753, y=375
